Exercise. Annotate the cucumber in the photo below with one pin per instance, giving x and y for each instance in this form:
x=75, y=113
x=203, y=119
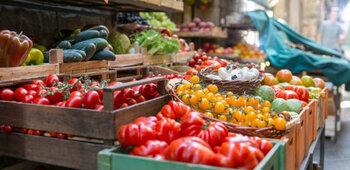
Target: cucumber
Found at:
x=85, y=35
x=90, y=51
x=99, y=27
x=104, y=55
x=103, y=34
x=100, y=44
x=64, y=44
x=72, y=56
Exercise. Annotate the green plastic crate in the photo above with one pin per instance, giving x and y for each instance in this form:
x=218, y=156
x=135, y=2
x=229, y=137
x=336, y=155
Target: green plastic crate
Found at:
x=110, y=159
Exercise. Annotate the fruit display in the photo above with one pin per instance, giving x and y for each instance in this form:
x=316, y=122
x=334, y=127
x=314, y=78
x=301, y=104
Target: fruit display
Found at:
x=245, y=50
x=77, y=93
x=191, y=140
x=197, y=26
x=15, y=48
x=158, y=20
x=87, y=45
x=245, y=110
x=202, y=61
x=157, y=43
x=288, y=86
x=211, y=48
x=35, y=57
x=131, y=17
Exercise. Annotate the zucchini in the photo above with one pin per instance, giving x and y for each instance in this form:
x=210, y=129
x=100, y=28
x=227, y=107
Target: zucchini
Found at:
x=104, y=34
x=85, y=35
x=90, y=51
x=99, y=28
x=100, y=44
x=64, y=44
x=72, y=56
x=104, y=55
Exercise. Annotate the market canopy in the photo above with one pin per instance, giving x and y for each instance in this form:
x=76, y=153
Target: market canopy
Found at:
x=282, y=56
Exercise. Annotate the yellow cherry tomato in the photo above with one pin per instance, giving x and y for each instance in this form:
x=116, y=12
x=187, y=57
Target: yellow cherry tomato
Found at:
x=239, y=115
x=197, y=87
x=228, y=110
x=266, y=104
x=267, y=115
x=180, y=88
x=270, y=122
x=280, y=123
x=187, y=86
x=194, y=100
x=199, y=94
x=206, y=91
x=209, y=114
x=194, y=79
x=219, y=107
x=223, y=118
x=220, y=99
x=250, y=117
x=210, y=96
x=204, y=103
x=249, y=109
x=212, y=88
x=186, y=98
x=229, y=94
x=251, y=102
x=190, y=92
x=266, y=110
x=180, y=92
x=261, y=124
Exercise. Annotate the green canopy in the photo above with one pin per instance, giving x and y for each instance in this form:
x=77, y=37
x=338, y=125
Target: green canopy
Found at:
x=282, y=56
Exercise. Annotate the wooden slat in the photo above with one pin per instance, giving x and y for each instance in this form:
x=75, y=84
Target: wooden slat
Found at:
x=20, y=72
x=67, y=153
x=84, y=67
x=182, y=57
x=124, y=60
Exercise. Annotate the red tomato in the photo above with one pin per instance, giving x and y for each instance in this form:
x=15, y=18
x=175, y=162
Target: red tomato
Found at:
x=75, y=102
x=152, y=149
x=168, y=130
x=191, y=72
x=135, y=134
x=264, y=145
x=277, y=88
x=174, y=110
x=23, y=130
x=38, y=132
x=140, y=99
x=119, y=97
x=303, y=94
x=191, y=150
x=100, y=93
x=61, y=104
x=34, y=87
x=91, y=99
x=150, y=121
x=76, y=84
x=30, y=132
x=8, y=128
x=33, y=93
x=292, y=87
x=166, y=32
x=241, y=139
x=38, y=82
x=191, y=63
x=76, y=94
x=149, y=90
x=50, y=79
x=196, y=57
x=57, y=95
x=287, y=94
x=20, y=93
x=99, y=108
x=129, y=93
x=2, y=127
x=61, y=136
x=192, y=124
x=7, y=94
x=157, y=95
x=304, y=103
x=131, y=101
x=28, y=99
x=42, y=101
x=123, y=105
x=52, y=134
x=41, y=93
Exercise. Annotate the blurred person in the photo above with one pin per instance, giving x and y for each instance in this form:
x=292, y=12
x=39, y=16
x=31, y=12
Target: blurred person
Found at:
x=330, y=31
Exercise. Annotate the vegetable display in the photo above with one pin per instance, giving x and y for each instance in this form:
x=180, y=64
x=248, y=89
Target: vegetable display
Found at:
x=191, y=140
x=14, y=48
x=157, y=43
x=158, y=19
x=87, y=45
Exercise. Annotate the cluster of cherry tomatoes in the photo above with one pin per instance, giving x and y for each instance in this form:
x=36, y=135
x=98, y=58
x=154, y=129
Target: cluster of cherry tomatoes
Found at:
x=202, y=61
x=191, y=140
x=169, y=76
x=77, y=93
x=247, y=111
x=8, y=128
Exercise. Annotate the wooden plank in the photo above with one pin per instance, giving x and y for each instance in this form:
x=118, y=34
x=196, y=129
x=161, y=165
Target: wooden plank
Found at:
x=125, y=60
x=67, y=153
x=78, y=122
x=182, y=57
x=83, y=67
x=20, y=72
x=163, y=70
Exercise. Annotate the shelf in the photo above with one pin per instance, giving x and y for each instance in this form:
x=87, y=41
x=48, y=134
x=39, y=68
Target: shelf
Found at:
x=112, y=5
x=216, y=32
x=241, y=27
x=225, y=56
x=134, y=26
x=308, y=159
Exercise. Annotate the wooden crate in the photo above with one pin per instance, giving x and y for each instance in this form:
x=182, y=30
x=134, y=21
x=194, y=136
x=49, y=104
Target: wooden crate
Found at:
x=85, y=124
x=56, y=57
x=163, y=70
x=182, y=58
x=21, y=72
x=113, y=159
x=125, y=60
x=133, y=72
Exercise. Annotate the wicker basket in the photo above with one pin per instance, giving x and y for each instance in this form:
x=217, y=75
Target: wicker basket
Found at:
x=234, y=86
x=268, y=132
